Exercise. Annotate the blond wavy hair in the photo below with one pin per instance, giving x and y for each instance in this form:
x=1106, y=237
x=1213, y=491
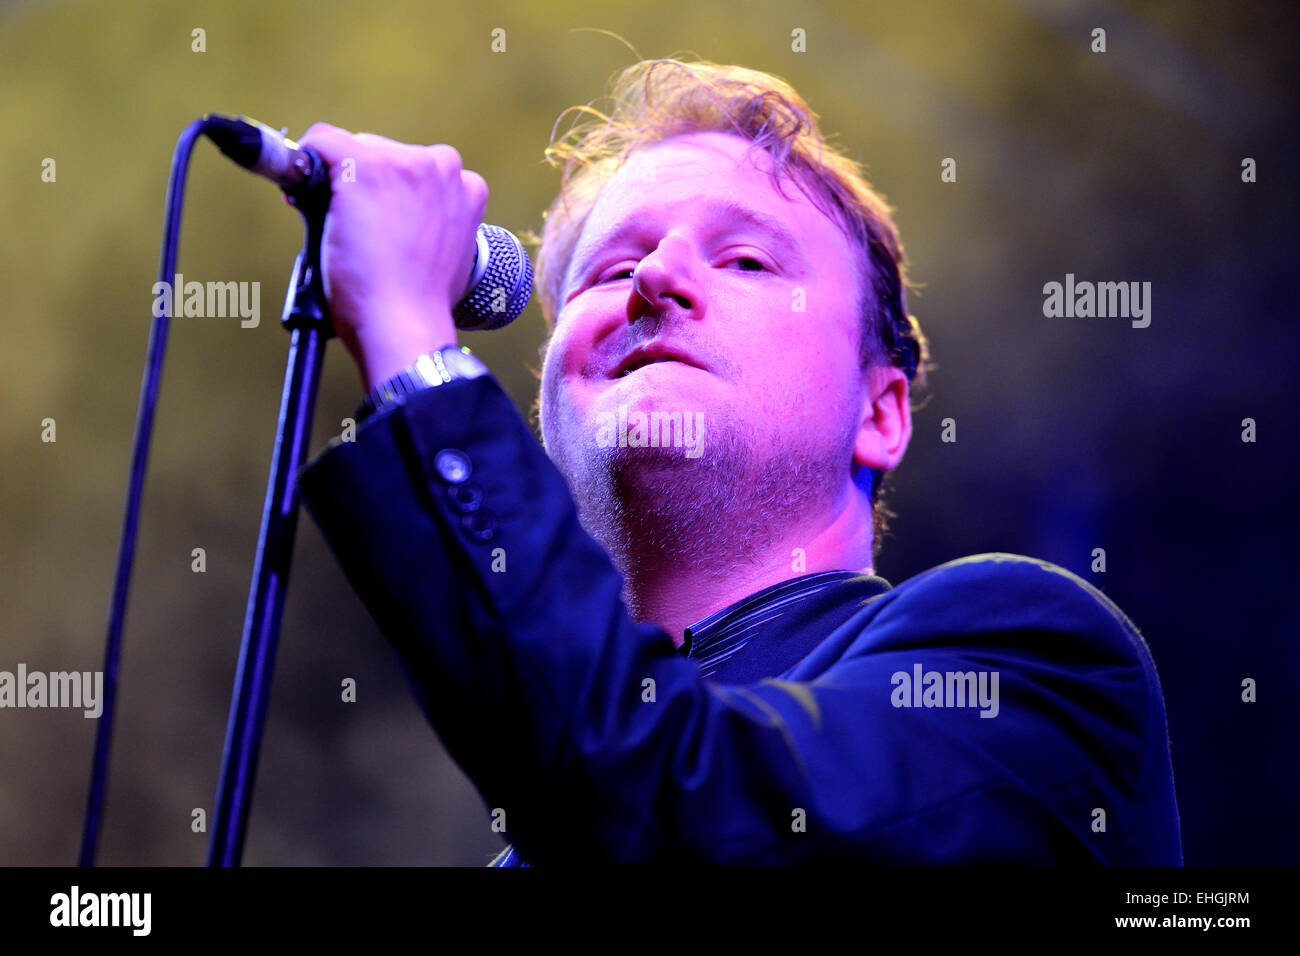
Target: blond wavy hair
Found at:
x=654, y=100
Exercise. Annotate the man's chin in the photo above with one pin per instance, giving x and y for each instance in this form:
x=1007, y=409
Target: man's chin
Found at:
x=662, y=387
x=661, y=382
x=655, y=427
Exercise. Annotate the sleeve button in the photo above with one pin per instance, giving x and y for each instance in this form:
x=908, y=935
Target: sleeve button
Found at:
x=466, y=497
x=479, y=526
x=452, y=465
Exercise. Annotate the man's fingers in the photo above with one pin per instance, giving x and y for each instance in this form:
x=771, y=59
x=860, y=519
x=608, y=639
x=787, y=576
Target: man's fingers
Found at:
x=383, y=142
x=333, y=144
x=476, y=191
x=447, y=157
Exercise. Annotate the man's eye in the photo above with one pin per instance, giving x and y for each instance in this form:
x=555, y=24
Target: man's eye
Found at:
x=747, y=264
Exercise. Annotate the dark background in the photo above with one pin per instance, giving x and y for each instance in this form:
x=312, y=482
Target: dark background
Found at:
x=1072, y=434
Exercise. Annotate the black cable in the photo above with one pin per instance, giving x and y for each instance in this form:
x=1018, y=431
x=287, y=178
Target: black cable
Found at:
x=139, y=458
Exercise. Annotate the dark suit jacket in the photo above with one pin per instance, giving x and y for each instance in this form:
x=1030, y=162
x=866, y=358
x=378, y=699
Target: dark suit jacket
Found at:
x=598, y=740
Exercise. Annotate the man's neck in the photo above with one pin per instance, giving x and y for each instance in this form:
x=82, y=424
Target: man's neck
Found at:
x=676, y=582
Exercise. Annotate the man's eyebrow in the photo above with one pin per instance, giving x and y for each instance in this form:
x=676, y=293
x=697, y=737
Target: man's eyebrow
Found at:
x=714, y=209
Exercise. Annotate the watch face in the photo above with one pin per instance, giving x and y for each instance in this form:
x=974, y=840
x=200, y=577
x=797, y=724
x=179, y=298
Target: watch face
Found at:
x=427, y=369
x=461, y=365
x=454, y=359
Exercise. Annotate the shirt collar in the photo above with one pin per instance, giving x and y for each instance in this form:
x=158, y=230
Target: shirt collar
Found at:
x=772, y=603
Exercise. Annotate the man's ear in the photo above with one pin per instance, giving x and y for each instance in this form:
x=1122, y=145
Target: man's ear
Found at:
x=885, y=426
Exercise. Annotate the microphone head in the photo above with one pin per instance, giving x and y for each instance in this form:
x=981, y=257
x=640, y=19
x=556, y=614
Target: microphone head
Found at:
x=500, y=284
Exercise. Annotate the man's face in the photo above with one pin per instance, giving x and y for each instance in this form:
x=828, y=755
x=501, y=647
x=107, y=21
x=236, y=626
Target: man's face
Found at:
x=728, y=300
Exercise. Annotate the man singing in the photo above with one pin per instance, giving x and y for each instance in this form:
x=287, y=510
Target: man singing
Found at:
x=662, y=638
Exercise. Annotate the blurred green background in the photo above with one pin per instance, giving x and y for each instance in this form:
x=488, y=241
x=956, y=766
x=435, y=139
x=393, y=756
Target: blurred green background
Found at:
x=1121, y=166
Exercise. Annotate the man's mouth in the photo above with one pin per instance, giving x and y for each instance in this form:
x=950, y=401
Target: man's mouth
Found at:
x=651, y=354
x=640, y=365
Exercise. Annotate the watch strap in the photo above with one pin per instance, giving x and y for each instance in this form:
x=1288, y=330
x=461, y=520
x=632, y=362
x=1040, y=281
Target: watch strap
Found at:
x=428, y=371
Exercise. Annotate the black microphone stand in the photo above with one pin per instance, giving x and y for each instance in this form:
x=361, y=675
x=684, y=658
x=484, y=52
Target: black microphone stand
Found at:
x=306, y=319
x=500, y=265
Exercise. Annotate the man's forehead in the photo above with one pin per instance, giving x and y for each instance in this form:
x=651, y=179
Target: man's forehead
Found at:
x=699, y=154
x=717, y=176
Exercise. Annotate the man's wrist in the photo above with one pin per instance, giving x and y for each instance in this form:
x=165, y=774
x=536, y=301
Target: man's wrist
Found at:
x=394, y=335
x=428, y=370
x=381, y=361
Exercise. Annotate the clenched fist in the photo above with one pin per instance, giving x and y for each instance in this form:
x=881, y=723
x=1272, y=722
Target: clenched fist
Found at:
x=398, y=245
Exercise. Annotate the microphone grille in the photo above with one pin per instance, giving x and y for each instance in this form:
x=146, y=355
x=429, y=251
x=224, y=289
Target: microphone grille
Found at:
x=502, y=291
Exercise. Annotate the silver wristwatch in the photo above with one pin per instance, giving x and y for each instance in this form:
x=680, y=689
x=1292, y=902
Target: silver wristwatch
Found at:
x=429, y=371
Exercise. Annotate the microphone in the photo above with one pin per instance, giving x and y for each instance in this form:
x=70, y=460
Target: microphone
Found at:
x=501, y=281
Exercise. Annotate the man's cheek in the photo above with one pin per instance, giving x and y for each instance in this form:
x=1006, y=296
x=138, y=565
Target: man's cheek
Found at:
x=560, y=415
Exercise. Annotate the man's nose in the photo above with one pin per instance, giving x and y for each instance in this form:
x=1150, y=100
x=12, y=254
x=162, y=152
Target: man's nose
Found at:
x=667, y=275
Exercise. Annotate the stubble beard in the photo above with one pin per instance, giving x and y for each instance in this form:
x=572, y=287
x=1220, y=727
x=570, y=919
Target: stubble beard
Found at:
x=655, y=509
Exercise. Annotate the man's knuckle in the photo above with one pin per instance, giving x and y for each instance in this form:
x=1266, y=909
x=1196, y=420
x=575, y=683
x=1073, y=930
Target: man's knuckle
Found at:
x=476, y=186
x=445, y=157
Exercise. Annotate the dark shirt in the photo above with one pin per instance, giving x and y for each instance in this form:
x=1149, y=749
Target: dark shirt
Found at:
x=828, y=718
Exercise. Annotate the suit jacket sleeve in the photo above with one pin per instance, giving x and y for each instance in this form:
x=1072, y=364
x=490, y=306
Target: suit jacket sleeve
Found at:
x=600, y=742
